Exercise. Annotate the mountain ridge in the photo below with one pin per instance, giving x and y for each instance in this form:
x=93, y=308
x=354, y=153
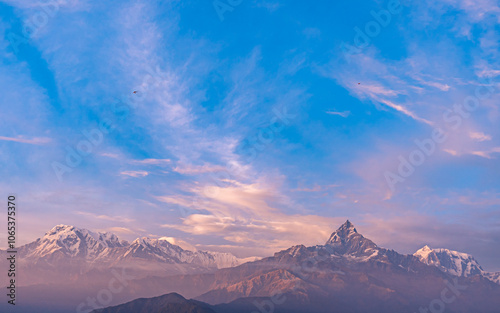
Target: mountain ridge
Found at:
x=345, y=253
x=349, y=273
x=72, y=241
x=348, y=267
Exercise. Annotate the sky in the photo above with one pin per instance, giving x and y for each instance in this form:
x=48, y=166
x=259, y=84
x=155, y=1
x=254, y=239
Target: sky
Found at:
x=252, y=126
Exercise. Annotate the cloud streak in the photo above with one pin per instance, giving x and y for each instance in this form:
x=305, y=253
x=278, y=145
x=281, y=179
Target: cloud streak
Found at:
x=32, y=141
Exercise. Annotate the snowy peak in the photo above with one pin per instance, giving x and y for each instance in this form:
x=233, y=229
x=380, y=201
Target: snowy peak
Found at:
x=423, y=253
x=164, y=251
x=65, y=242
x=61, y=233
x=453, y=262
x=74, y=242
x=342, y=234
x=347, y=240
x=153, y=243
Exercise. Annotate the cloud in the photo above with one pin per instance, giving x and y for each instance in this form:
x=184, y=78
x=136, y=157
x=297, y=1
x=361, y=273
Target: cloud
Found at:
x=177, y=199
x=374, y=90
x=452, y=152
x=202, y=102
x=110, y=155
x=384, y=82
x=271, y=6
x=477, y=10
x=316, y=188
x=487, y=72
x=179, y=242
x=135, y=173
x=442, y=87
x=242, y=213
x=479, y=136
x=343, y=114
x=403, y=110
x=120, y=219
x=121, y=230
x=152, y=161
x=190, y=169
x=488, y=154
x=32, y=141
x=66, y=4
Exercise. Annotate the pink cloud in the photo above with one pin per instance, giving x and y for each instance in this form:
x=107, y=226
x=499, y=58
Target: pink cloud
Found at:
x=135, y=173
x=32, y=141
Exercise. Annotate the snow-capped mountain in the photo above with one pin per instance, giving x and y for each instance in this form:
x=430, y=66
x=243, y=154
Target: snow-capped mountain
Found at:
x=72, y=242
x=350, y=246
x=68, y=252
x=163, y=251
x=347, y=241
x=454, y=262
x=349, y=267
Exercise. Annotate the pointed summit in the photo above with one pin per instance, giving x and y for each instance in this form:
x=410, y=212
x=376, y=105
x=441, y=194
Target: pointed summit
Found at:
x=426, y=255
x=344, y=232
x=347, y=240
x=349, y=226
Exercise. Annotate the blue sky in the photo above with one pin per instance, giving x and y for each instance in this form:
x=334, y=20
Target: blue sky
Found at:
x=251, y=126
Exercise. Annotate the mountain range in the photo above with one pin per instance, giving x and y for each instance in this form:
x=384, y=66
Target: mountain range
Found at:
x=68, y=251
x=349, y=273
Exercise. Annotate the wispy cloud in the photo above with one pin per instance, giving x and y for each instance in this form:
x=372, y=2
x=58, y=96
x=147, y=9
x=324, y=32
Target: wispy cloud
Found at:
x=121, y=230
x=402, y=109
x=487, y=154
x=207, y=92
x=135, y=173
x=179, y=242
x=343, y=114
x=177, y=199
x=381, y=85
x=316, y=188
x=152, y=161
x=190, y=169
x=31, y=141
x=110, y=155
x=242, y=213
x=105, y=217
x=479, y=136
